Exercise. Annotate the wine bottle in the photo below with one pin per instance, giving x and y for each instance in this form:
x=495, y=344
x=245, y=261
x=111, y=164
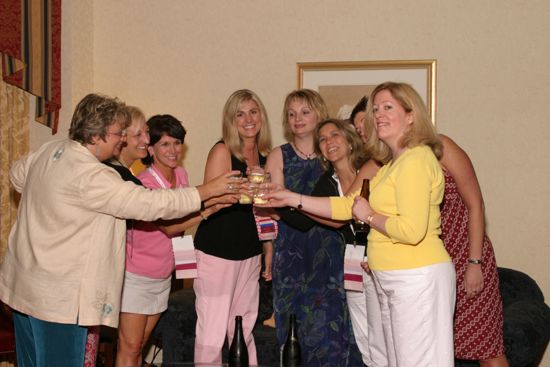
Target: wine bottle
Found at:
x=361, y=228
x=365, y=189
x=292, y=354
x=238, y=352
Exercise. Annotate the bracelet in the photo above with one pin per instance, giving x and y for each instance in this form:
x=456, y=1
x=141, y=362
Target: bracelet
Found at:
x=204, y=217
x=370, y=218
x=474, y=261
x=300, y=206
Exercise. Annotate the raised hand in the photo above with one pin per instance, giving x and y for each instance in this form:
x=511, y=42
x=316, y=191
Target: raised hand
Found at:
x=223, y=184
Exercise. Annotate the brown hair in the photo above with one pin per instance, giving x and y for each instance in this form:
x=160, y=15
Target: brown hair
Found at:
x=94, y=114
x=357, y=157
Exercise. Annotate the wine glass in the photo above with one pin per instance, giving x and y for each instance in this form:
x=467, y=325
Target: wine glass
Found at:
x=262, y=188
x=256, y=175
x=235, y=182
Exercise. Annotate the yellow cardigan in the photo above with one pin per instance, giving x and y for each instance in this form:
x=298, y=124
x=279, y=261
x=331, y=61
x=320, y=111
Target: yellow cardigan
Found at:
x=409, y=192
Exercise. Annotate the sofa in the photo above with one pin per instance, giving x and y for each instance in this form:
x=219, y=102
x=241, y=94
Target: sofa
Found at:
x=526, y=324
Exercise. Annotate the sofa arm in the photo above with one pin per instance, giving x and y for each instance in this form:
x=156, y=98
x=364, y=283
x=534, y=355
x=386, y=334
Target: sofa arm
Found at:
x=526, y=331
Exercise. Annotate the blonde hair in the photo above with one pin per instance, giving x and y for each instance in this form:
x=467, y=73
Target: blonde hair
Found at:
x=312, y=99
x=357, y=157
x=420, y=132
x=230, y=133
x=136, y=113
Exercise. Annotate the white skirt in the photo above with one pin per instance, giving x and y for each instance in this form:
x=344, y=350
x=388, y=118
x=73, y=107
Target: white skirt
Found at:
x=144, y=295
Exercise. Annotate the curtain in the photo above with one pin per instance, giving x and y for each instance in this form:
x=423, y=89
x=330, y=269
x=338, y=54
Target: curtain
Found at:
x=14, y=143
x=30, y=43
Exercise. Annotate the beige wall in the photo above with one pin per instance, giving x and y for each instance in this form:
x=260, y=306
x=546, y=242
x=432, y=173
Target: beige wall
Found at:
x=186, y=57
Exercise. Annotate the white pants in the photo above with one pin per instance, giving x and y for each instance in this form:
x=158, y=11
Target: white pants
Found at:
x=364, y=310
x=417, y=307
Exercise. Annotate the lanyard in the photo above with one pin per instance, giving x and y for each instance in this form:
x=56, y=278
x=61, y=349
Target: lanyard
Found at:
x=341, y=193
x=157, y=177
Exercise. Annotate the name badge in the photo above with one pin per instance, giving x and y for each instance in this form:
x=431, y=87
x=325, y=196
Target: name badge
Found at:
x=353, y=272
x=184, y=255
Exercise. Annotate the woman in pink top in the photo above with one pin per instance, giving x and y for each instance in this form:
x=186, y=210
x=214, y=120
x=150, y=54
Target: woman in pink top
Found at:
x=149, y=254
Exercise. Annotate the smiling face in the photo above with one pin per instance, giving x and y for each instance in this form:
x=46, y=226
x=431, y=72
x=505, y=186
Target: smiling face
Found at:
x=302, y=119
x=333, y=144
x=390, y=118
x=248, y=119
x=137, y=142
x=166, y=152
x=111, y=145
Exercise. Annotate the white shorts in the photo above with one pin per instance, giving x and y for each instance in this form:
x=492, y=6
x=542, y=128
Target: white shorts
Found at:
x=144, y=295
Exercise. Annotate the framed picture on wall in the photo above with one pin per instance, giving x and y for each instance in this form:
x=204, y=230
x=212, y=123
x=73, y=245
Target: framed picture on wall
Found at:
x=343, y=83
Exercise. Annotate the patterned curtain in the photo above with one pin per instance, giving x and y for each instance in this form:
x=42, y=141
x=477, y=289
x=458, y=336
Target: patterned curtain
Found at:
x=14, y=143
x=30, y=43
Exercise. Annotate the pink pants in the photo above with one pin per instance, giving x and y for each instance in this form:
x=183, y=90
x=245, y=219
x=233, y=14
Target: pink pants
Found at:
x=224, y=289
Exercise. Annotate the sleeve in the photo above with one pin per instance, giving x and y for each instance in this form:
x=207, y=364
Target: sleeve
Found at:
x=106, y=192
x=341, y=206
x=413, y=183
x=19, y=170
x=300, y=221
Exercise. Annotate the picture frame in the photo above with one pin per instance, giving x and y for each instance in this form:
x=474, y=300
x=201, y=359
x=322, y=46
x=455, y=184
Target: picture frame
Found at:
x=343, y=83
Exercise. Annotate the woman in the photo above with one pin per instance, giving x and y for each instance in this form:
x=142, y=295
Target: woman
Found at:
x=227, y=246
x=305, y=278
x=149, y=254
x=363, y=306
x=478, y=301
x=357, y=117
x=343, y=155
x=135, y=147
x=64, y=266
x=414, y=276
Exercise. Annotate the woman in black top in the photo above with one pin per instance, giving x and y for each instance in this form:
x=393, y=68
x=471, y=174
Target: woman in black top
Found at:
x=227, y=246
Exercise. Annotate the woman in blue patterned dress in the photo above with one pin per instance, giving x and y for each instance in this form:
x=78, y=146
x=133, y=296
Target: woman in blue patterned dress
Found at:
x=307, y=266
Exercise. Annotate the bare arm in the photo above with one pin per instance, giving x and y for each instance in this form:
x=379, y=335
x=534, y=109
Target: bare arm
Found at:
x=174, y=227
x=217, y=173
x=274, y=165
x=458, y=164
x=367, y=171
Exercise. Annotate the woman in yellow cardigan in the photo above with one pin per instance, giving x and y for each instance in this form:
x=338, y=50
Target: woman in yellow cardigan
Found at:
x=414, y=275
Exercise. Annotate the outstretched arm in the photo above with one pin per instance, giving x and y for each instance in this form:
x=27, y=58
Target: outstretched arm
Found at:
x=176, y=226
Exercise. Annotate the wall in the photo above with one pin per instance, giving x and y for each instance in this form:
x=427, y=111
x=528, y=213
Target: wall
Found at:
x=186, y=57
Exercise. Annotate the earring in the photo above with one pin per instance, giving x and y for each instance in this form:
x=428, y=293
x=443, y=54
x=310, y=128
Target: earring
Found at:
x=324, y=159
x=350, y=148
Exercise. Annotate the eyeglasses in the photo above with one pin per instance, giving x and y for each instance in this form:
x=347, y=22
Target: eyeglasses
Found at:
x=120, y=134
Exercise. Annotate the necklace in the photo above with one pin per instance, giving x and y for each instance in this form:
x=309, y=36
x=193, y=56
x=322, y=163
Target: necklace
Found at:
x=308, y=156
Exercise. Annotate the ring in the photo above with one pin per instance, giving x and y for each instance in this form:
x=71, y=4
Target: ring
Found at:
x=230, y=187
